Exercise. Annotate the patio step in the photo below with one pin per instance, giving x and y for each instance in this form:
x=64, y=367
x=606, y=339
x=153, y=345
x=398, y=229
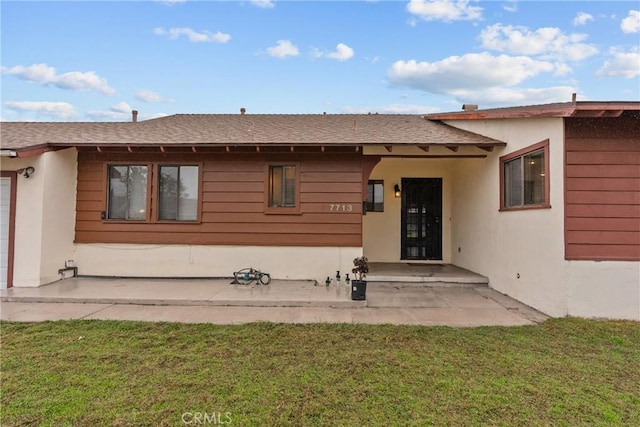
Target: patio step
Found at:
x=413, y=282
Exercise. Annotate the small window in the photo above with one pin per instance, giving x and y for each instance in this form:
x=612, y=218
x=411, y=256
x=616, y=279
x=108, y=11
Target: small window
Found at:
x=178, y=193
x=525, y=178
x=282, y=186
x=375, y=196
x=128, y=193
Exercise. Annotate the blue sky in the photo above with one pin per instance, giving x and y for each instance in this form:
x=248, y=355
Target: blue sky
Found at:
x=98, y=60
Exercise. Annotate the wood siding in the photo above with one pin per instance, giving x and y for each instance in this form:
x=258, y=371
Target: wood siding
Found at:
x=602, y=188
x=232, y=200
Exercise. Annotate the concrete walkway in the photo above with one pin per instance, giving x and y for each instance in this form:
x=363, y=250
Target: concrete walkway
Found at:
x=218, y=301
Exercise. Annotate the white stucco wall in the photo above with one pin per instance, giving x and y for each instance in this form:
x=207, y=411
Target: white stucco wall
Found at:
x=45, y=216
x=382, y=230
x=288, y=262
x=607, y=289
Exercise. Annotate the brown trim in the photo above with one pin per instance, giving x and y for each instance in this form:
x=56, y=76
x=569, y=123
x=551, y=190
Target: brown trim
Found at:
x=562, y=109
x=12, y=223
x=296, y=210
x=542, y=145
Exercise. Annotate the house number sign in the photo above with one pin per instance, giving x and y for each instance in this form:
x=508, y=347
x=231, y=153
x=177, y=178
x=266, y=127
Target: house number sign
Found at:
x=340, y=207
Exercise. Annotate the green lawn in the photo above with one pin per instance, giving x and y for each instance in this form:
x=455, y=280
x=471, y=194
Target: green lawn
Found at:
x=89, y=373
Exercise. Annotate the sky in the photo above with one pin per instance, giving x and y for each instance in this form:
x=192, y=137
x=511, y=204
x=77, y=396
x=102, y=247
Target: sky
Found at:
x=98, y=60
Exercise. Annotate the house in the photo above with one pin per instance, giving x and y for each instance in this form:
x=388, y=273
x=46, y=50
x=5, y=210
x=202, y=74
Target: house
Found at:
x=543, y=200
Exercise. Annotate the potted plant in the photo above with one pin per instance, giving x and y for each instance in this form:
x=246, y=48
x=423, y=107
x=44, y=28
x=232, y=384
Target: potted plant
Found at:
x=358, y=284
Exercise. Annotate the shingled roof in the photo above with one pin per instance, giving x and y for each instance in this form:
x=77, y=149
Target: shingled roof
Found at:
x=248, y=129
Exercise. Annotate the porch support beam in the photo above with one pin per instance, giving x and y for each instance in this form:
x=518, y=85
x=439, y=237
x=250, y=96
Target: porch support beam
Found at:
x=453, y=148
x=389, y=148
x=424, y=148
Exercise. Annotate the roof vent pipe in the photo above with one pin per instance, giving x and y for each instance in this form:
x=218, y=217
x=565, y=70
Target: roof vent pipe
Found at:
x=243, y=110
x=469, y=107
x=134, y=116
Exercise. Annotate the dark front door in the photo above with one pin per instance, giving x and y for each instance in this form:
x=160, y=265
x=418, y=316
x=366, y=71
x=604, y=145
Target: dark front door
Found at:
x=421, y=218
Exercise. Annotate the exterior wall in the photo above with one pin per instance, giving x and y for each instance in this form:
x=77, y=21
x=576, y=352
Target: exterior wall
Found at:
x=233, y=202
x=521, y=251
x=607, y=289
x=282, y=262
x=45, y=216
x=381, y=230
x=602, y=211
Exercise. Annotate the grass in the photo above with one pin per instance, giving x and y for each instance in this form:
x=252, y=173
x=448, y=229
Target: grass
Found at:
x=564, y=372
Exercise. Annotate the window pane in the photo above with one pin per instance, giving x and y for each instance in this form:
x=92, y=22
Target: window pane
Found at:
x=127, y=192
x=168, y=193
x=117, y=192
x=289, y=186
x=137, y=193
x=378, y=197
x=513, y=182
x=275, y=187
x=178, y=193
x=282, y=186
x=534, y=178
x=188, y=201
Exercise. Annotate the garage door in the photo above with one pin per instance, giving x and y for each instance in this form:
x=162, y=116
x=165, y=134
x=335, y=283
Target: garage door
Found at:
x=6, y=233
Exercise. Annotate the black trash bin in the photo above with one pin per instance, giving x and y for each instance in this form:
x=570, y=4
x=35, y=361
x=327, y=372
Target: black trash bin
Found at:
x=358, y=290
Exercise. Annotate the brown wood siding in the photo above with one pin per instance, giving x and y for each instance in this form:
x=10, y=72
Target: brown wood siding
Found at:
x=602, y=188
x=233, y=202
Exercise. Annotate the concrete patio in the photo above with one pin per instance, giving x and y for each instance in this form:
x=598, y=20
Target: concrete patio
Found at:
x=219, y=301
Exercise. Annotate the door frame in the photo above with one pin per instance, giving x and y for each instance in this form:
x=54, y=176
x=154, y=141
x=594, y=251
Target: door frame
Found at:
x=403, y=219
x=13, y=176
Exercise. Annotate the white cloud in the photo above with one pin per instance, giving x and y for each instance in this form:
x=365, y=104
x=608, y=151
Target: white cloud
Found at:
x=193, y=36
x=444, y=10
x=582, y=19
x=622, y=64
x=631, y=24
x=342, y=53
x=264, y=4
x=510, y=6
x=546, y=41
x=122, y=107
x=171, y=2
x=59, y=110
x=283, y=49
x=145, y=95
x=391, y=109
x=472, y=71
x=73, y=80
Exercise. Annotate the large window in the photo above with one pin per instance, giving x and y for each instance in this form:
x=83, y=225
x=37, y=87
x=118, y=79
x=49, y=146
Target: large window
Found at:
x=524, y=177
x=282, y=186
x=128, y=193
x=175, y=196
x=178, y=193
x=375, y=196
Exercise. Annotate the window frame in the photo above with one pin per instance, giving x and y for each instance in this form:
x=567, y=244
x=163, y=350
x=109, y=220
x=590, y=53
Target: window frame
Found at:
x=374, y=182
x=284, y=210
x=531, y=149
x=105, y=216
x=153, y=196
x=156, y=199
